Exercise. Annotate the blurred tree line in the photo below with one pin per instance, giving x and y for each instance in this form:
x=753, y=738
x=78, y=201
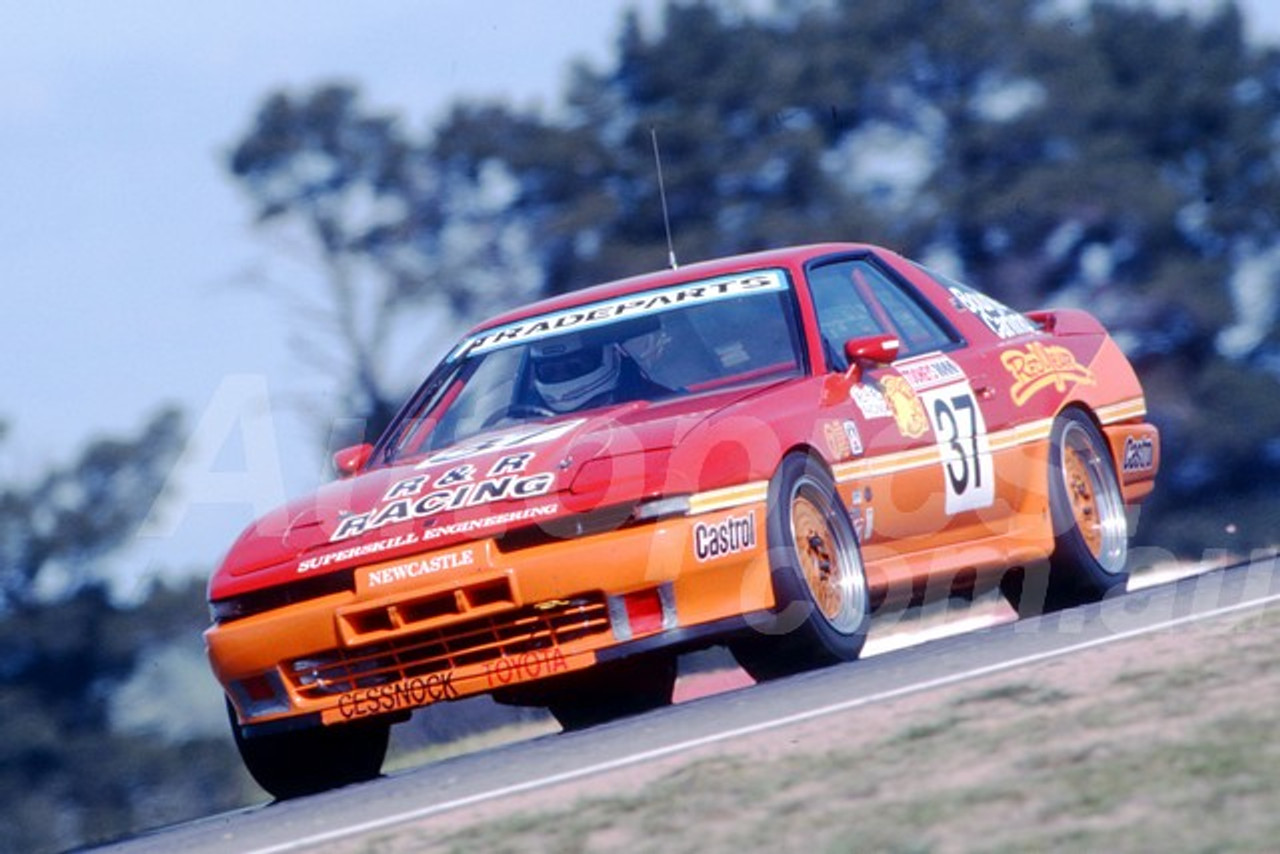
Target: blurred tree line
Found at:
x=1114, y=155
x=75, y=765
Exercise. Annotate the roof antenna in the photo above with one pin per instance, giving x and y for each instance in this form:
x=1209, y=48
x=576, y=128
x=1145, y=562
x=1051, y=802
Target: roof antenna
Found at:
x=662, y=192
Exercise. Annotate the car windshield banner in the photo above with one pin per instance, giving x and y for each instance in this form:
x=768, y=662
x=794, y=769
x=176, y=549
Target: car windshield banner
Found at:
x=623, y=308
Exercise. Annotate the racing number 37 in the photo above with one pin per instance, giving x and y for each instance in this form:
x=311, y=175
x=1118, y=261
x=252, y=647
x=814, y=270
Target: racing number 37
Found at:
x=962, y=443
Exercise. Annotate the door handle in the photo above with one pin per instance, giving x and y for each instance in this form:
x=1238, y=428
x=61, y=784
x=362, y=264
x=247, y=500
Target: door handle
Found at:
x=982, y=388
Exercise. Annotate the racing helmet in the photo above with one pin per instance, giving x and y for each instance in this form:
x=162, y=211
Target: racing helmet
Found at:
x=569, y=371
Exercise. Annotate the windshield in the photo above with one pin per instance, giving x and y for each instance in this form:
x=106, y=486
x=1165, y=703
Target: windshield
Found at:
x=651, y=346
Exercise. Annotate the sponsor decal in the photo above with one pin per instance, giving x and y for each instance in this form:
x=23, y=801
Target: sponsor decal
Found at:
x=1139, y=454
x=424, y=496
x=837, y=442
x=995, y=315
x=612, y=311
x=968, y=473
x=905, y=406
x=498, y=520
x=864, y=523
x=1039, y=367
x=362, y=550
x=408, y=570
x=929, y=372
x=522, y=438
x=854, y=437
x=406, y=694
x=870, y=401
x=731, y=535
x=843, y=439
x=527, y=665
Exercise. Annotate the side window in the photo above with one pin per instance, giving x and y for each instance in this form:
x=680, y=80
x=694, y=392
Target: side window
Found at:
x=854, y=299
x=842, y=312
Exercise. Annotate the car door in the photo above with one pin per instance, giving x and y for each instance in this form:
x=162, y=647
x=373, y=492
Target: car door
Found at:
x=927, y=479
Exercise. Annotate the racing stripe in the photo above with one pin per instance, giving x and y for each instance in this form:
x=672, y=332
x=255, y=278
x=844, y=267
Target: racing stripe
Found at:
x=902, y=461
x=887, y=464
x=729, y=496
x=1127, y=410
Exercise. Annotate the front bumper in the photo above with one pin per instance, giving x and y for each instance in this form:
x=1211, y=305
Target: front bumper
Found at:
x=406, y=637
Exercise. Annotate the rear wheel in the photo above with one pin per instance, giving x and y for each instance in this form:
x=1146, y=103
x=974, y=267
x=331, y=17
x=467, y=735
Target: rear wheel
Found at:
x=1090, y=530
x=822, y=606
x=306, y=761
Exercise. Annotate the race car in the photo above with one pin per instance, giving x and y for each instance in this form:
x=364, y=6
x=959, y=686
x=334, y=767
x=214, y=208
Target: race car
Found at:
x=757, y=452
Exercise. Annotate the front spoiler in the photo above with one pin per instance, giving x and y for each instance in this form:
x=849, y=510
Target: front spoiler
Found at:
x=684, y=639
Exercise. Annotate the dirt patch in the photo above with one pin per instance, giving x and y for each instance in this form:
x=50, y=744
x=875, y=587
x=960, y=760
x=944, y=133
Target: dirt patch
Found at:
x=1163, y=742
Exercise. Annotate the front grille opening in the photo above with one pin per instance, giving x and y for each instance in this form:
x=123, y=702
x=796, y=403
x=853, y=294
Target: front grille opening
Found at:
x=433, y=608
x=496, y=592
x=443, y=605
x=373, y=621
x=471, y=643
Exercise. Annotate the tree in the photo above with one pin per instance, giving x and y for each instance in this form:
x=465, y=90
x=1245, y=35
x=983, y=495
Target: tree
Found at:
x=347, y=182
x=66, y=646
x=53, y=533
x=68, y=775
x=1049, y=154
x=388, y=233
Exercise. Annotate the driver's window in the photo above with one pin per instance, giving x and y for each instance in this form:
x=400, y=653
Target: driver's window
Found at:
x=842, y=313
x=854, y=299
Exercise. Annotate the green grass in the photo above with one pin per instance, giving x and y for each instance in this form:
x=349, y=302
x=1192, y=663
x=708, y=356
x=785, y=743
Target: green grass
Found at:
x=1160, y=743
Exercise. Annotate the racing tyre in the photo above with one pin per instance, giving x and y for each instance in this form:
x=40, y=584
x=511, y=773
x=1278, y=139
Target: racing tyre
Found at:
x=613, y=690
x=306, y=761
x=822, y=605
x=1091, y=538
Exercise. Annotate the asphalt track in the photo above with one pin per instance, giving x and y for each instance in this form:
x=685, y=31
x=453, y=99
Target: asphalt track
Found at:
x=463, y=781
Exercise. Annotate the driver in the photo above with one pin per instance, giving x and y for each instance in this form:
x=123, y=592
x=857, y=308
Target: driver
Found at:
x=571, y=373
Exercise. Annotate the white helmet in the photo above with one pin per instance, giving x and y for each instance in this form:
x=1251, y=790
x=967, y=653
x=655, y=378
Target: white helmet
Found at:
x=569, y=371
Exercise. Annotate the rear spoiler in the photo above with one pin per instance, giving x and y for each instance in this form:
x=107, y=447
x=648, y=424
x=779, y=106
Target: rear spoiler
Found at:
x=1065, y=322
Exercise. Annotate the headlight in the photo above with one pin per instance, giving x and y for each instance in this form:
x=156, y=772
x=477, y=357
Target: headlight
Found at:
x=225, y=610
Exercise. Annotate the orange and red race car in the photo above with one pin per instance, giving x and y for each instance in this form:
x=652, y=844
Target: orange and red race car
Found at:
x=756, y=451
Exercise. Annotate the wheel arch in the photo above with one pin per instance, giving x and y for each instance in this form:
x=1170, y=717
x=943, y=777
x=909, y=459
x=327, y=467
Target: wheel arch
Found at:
x=813, y=456
x=809, y=450
x=1085, y=409
x=822, y=599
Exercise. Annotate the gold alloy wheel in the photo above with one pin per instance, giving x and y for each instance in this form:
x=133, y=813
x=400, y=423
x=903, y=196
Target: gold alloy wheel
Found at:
x=1083, y=506
x=822, y=601
x=1094, y=499
x=832, y=569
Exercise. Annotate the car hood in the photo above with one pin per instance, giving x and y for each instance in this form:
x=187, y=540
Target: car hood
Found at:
x=480, y=488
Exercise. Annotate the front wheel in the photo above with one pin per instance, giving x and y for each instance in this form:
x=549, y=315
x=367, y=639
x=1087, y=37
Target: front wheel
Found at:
x=1091, y=538
x=822, y=604
x=302, y=762
x=613, y=690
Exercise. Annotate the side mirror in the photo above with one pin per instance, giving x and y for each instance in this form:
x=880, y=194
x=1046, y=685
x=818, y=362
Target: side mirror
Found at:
x=871, y=350
x=349, y=461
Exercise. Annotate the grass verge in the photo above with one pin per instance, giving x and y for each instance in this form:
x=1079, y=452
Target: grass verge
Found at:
x=1163, y=742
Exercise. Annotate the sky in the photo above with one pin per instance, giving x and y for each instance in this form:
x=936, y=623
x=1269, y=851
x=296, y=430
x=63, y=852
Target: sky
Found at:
x=122, y=237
